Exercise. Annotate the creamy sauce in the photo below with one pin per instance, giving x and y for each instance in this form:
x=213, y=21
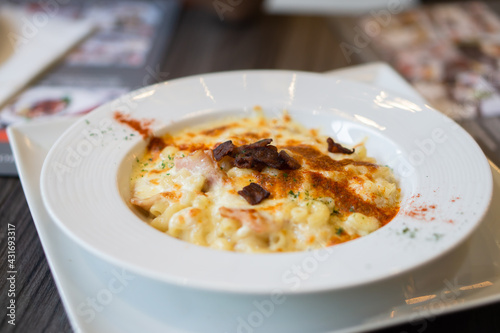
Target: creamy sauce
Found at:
x=330, y=199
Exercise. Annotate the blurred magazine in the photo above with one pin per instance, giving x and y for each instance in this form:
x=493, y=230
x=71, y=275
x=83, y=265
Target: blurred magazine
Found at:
x=450, y=53
x=125, y=53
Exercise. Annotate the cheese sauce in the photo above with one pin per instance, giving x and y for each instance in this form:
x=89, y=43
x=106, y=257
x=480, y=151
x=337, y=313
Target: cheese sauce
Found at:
x=332, y=198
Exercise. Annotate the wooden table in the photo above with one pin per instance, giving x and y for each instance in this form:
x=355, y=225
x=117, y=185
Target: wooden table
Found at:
x=201, y=44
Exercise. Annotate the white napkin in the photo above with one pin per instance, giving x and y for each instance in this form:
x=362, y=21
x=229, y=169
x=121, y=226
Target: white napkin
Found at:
x=32, y=41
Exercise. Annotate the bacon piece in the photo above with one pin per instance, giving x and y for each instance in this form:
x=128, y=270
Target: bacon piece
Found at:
x=202, y=162
x=254, y=193
x=258, y=144
x=267, y=155
x=337, y=148
x=250, y=218
x=156, y=145
x=289, y=163
x=225, y=148
x=248, y=162
x=256, y=156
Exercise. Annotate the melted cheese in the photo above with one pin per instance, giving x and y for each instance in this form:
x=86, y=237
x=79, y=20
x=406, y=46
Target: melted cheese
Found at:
x=330, y=199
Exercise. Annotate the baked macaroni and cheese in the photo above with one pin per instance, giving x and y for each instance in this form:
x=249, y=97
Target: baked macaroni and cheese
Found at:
x=261, y=185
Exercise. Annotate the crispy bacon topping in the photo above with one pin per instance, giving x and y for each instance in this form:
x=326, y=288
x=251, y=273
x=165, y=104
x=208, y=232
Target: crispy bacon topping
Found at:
x=254, y=193
x=248, y=162
x=225, y=148
x=156, y=145
x=337, y=148
x=260, y=143
x=289, y=161
x=256, y=156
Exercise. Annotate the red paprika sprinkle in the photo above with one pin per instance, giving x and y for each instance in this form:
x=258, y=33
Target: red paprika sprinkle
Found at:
x=141, y=126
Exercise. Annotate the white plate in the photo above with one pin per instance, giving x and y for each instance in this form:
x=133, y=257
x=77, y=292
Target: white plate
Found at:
x=433, y=157
x=468, y=277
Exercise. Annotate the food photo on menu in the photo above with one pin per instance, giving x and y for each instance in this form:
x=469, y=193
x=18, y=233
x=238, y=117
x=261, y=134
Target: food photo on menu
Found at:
x=224, y=166
x=46, y=101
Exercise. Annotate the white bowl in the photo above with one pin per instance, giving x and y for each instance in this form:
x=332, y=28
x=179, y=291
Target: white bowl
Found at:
x=444, y=177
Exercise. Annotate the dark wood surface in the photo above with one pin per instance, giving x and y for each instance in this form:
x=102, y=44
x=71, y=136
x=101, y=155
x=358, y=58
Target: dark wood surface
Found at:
x=201, y=44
